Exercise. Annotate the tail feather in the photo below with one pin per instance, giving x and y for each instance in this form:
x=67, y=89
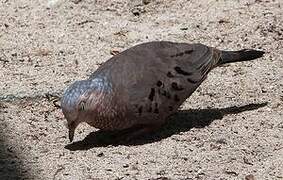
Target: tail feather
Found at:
x=237, y=56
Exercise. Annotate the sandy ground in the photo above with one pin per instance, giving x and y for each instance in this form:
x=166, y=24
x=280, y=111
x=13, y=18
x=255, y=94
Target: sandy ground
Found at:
x=231, y=128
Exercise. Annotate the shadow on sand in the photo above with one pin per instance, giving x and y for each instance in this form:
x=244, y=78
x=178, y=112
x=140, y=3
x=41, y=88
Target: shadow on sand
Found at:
x=11, y=165
x=181, y=121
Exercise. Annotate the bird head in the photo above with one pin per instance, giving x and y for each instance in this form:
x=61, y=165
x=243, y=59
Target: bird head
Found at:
x=79, y=100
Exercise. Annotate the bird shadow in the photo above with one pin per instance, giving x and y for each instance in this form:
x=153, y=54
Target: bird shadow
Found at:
x=181, y=121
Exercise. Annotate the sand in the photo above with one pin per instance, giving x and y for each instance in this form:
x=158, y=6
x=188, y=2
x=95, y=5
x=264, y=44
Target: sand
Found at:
x=230, y=128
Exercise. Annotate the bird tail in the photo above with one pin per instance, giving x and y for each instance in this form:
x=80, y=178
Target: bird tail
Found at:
x=237, y=56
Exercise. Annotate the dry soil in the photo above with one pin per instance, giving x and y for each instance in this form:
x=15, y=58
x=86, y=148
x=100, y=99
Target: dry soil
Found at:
x=231, y=128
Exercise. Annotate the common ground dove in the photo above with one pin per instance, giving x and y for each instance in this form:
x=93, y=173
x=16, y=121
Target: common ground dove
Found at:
x=143, y=85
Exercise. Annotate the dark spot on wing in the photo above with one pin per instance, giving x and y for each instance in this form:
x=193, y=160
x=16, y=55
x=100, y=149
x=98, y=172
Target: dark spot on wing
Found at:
x=150, y=109
x=151, y=95
x=182, y=53
x=156, y=111
x=170, y=108
x=156, y=108
x=189, y=51
x=159, y=83
x=192, y=81
x=140, y=110
x=178, y=54
x=164, y=93
x=170, y=75
x=176, y=87
x=176, y=98
x=180, y=71
x=156, y=105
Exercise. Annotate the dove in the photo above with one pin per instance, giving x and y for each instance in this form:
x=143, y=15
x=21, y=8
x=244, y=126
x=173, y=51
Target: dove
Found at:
x=142, y=86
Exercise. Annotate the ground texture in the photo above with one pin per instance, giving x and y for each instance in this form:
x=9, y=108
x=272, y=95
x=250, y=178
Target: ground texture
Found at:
x=231, y=128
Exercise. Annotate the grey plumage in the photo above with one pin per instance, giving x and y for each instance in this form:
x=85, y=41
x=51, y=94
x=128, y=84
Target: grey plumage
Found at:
x=143, y=85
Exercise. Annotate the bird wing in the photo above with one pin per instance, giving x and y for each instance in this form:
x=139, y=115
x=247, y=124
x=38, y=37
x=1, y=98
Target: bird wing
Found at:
x=156, y=76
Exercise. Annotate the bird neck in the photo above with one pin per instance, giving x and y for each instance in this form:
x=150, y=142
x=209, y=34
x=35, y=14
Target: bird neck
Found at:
x=107, y=109
x=101, y=84
x=101, y=98
x=104, y=103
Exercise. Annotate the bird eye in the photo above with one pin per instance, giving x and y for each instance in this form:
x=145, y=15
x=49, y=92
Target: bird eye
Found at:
x=82, y=106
